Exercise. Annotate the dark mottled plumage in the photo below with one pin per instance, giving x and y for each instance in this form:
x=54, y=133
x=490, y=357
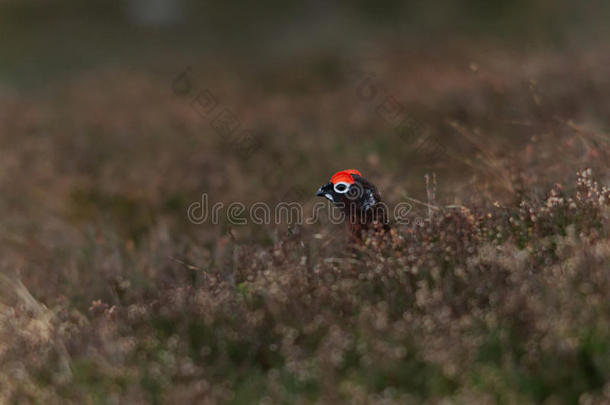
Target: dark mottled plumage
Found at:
x=360, y=202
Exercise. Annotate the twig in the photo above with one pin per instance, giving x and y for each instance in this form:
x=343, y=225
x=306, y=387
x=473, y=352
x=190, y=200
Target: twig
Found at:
x=423, y=203
x=188, y=266
x=430, y=193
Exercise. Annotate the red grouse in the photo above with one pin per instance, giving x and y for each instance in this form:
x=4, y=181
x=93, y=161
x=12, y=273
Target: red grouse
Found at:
x=359, y=201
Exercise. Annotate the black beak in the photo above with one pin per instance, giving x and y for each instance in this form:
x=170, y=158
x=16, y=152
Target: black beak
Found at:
x=323, y=190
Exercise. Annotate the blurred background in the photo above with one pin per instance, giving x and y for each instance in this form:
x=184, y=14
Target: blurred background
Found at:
x=102, y=102
x=116, y=116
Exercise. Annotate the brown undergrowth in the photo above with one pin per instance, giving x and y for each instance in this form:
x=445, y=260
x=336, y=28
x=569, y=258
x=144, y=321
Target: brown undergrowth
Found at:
x=496, y=291
x=480, y=305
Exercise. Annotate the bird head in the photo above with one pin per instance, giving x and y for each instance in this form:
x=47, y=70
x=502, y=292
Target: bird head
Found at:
x=344, y=187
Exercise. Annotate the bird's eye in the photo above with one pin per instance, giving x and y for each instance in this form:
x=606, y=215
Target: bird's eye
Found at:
x=341, y=187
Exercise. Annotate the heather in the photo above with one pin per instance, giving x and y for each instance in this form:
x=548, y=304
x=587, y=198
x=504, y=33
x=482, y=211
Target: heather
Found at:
x=493, y=290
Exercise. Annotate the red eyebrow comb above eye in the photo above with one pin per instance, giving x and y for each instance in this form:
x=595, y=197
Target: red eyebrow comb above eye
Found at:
x=344, y=176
